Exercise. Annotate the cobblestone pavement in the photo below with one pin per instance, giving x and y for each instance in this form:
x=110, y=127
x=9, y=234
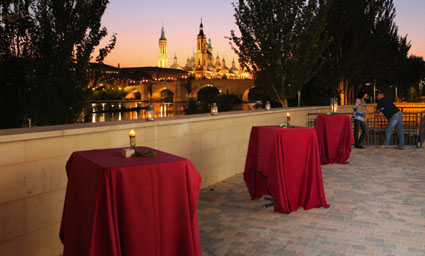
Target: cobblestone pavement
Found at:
x=377, y=208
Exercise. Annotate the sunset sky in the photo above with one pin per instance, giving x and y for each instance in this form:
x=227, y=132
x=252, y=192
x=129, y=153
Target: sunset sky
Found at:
x=138, y=25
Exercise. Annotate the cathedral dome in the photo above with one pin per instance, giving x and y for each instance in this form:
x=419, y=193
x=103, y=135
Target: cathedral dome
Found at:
x=175, y=64
x=211, y=67
x=190, y=63
x=233, y=69
x=224, y=68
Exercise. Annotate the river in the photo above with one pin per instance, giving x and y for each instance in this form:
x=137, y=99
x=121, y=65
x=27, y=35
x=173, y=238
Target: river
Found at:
x=120, y=110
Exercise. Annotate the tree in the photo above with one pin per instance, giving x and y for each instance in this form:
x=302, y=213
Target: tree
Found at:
x=16, y=51
x=411, y=72
x=281, y=43
x=365, y=46
x=45, y=47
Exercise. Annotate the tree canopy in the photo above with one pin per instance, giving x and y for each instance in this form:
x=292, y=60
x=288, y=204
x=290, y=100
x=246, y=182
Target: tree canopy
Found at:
x=333, y=47
x=281, y=42
x=45, y=48
x=365, y=46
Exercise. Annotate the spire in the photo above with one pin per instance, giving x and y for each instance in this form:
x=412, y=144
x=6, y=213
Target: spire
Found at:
x=209, y=43
x=163, y=33
x=201, y=29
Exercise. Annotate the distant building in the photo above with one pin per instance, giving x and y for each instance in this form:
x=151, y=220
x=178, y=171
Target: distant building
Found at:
x=100, y=74
x=176, y=64
x=106, y=75
x=202, y=64
x=147, y=74
x=162, y=50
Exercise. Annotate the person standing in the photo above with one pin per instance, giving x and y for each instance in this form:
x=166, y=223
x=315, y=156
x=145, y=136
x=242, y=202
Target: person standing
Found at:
x=360, y=109
x=395, y=119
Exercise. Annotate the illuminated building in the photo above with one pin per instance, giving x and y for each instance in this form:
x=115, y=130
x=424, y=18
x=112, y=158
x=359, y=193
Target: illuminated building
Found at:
x=176, y=64
x=203, y=65
x=162, y=50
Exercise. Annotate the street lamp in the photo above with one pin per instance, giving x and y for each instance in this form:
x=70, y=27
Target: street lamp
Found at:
x=299, y=98
x=395, y=92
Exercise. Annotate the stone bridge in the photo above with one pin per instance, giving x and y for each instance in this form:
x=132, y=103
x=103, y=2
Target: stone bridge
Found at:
x=183, y=90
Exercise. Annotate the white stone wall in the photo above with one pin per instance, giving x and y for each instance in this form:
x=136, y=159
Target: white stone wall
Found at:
x=32, y=163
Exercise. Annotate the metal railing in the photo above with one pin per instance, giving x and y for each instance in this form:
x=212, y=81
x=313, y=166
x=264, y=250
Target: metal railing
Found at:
x=422, y=130
x=413, y=126
x=311, y=118
x=376, y=124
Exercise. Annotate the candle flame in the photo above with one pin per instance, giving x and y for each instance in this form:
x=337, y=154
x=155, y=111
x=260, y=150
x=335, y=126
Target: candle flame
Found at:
x=132, y=133
x=287, y=114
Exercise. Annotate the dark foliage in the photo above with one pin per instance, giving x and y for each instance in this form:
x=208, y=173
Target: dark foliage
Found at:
x=281, y=42
x=208, y=94
x=107, y=93
x=45, y=49
x=365, y=47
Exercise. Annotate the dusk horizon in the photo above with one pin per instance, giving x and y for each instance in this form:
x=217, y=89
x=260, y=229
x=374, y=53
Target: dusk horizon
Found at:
x=138, y=32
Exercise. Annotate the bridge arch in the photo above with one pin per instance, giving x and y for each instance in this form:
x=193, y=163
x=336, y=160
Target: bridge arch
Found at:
x=157, y=95
x=167, y=96
x=196, y=90
x=245, y=94
x=133, y=94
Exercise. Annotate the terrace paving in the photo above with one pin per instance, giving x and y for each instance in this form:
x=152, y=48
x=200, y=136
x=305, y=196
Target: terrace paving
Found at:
x=377, y=208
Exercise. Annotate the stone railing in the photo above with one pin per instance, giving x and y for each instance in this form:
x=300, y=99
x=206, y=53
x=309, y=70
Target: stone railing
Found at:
x=32, y=163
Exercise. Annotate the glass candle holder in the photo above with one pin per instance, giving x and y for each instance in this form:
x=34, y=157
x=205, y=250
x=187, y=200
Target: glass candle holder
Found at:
x=334, y=105
x=150, y=113
x=214, y=109
x=268, y=105
x=132, y=139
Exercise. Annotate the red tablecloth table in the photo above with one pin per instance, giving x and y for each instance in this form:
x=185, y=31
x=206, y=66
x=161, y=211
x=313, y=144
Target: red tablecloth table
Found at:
x=130, y=206
x=285, y=163
x=335, y=138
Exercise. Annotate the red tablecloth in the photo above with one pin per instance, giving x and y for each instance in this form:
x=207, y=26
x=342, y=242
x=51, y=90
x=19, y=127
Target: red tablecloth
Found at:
x=134, y=206
x=335, y=138
x=285, y=163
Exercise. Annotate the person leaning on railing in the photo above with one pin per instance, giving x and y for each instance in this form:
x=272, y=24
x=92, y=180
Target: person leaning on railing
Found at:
x=395, y=119
x=360, y=109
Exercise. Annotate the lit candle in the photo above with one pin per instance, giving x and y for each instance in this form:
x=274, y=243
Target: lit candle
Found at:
x=132, y=133
x=288, y=117
x=132, y=139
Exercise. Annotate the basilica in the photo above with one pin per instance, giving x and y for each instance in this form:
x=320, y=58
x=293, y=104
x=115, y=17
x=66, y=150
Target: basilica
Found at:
x=202, y=64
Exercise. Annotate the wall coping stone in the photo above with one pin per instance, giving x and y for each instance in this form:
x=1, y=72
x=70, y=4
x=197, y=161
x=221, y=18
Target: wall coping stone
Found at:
x=23, y=134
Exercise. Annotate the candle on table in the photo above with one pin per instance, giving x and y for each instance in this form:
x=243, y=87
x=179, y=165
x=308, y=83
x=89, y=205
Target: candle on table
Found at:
x=288, y=117
x=132, y=134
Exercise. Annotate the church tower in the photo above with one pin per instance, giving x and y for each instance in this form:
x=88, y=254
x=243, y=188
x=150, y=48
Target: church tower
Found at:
x=201, y=56
x=162, y=50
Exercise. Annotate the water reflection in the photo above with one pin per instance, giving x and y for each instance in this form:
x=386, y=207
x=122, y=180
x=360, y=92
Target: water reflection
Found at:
x=117, y=111
x=105, y=112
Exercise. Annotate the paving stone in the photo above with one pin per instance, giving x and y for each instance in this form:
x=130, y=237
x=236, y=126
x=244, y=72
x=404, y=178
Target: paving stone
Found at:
x=418, y=250
x=377, y=208
x=358, y=247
